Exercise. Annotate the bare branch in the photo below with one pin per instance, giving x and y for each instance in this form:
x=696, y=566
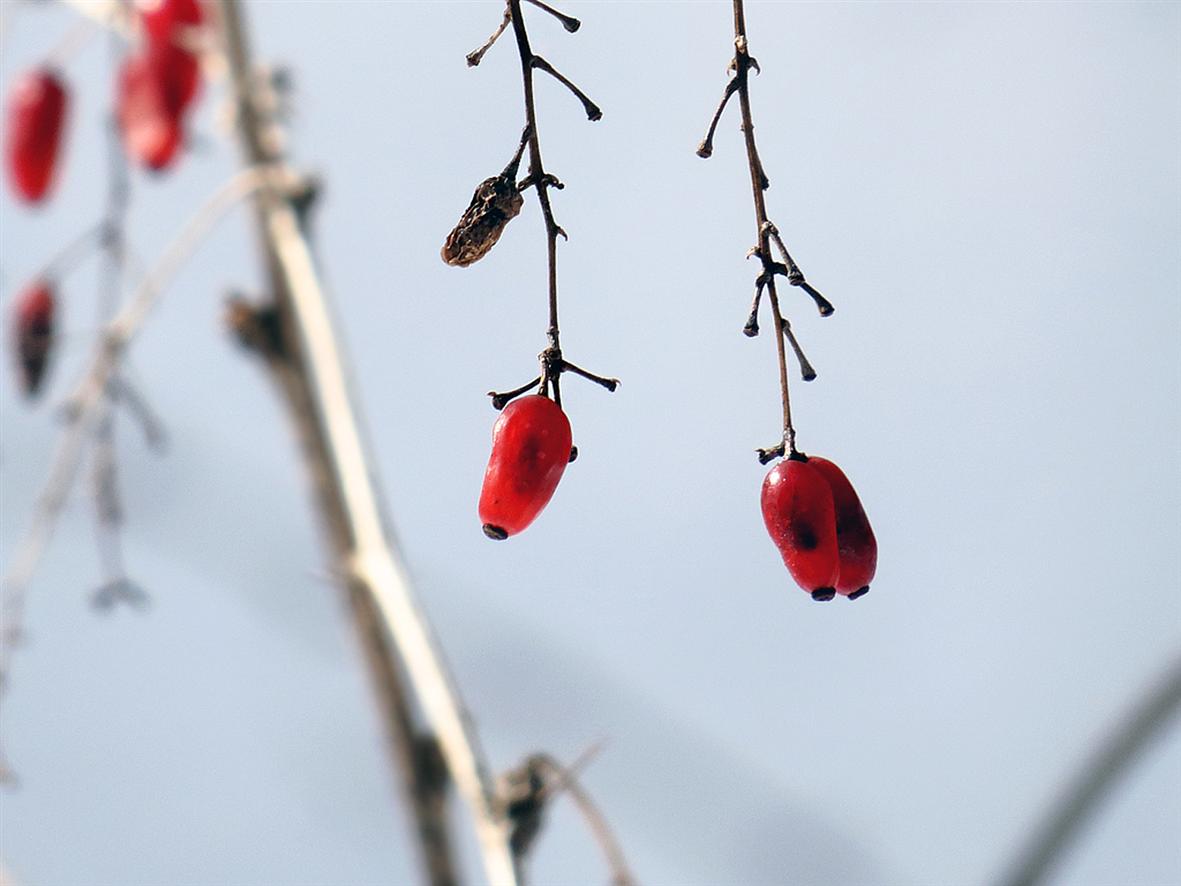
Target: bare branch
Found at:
x=569, y=22
x=314, y=379
x=1097, y=778
x=531, y=787
x=477, y=55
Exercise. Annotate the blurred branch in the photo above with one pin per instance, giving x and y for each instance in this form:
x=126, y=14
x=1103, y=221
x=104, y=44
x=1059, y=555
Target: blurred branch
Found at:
x=308, y=366
x=564, y=778
x=88, y=406
x=1098, y=777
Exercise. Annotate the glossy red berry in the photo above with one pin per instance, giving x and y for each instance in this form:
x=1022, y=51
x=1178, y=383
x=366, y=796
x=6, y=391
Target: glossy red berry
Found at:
x=163, y=19
x=857, y=547
x=32, y=333
x=36, y=119
x=530, y=450
x=798, y=510
x=149, y=109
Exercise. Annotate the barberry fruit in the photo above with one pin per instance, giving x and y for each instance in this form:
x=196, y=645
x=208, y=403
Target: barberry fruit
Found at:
x=530, y=450
x=149, y=106
x=32, y=333
x=36, y=118
x=798, y=511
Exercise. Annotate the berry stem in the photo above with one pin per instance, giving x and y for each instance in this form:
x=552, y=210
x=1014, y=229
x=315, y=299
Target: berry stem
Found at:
x=552, y=362
x=768, y=236
x=758, y=183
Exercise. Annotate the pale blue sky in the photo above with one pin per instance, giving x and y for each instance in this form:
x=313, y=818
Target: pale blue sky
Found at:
x=991, y=196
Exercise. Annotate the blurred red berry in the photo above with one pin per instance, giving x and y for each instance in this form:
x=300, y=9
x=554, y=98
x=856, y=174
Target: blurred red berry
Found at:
x=798, y=511
x=530, y=450
x=32, y=333
x=149, y=109
x=36, y=118
x=857, y=547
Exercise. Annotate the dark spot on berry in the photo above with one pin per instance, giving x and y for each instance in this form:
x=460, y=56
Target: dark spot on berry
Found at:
x=860, y=592
x=495, y=532
x=806, y=539
x=823, y=595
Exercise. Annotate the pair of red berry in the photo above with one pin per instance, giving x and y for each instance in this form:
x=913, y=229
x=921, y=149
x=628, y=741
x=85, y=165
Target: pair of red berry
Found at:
x=158, y=84
x=816, y=520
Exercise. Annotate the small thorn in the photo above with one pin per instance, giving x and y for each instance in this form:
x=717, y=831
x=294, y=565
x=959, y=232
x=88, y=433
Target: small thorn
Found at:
x=823, y=595
x=770, y=454
x=569, y=22
x=495, y=532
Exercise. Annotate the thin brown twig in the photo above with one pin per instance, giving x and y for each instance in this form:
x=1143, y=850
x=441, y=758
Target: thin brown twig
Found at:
x=768, y=235
x=531, y=787
x=553, y=364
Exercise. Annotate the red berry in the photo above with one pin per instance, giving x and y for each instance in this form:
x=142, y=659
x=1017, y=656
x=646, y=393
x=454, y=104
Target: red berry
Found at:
x=530, y=450
x=149, y=107
x=163, y=18
x=798, y=510
x=858, y=549
x=36, y=118
x=32, y=332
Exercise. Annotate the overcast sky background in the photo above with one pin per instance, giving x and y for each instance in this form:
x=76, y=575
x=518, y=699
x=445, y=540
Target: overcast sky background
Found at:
x=991, y=196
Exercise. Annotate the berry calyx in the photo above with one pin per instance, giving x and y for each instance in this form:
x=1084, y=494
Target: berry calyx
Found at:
x=531, y=446
x=33, y=333
x=799, y=514
x=36, y=119
x=857, y=547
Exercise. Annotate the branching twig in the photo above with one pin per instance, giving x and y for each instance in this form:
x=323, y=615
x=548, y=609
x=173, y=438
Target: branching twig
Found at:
x=553, y=364
x=768, y=234
x=89, y=405
x=530, y=789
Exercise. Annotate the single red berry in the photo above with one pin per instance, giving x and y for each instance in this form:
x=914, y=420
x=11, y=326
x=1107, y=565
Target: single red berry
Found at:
x=149, y=109
x=36, y=118
x=798, y=510
x=162, y=19
x=530, y=450
x=32, y=333
x=858, y=549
